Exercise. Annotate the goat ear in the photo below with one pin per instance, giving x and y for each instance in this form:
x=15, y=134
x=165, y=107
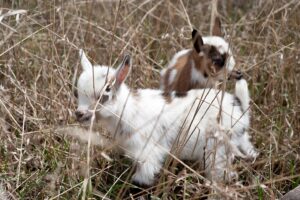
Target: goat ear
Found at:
x=216, y=30
x=123, y=70
x=85, y=63
x=197, y=40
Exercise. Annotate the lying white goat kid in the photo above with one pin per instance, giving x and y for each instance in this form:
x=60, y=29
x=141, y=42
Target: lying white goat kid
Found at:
x=148, y=127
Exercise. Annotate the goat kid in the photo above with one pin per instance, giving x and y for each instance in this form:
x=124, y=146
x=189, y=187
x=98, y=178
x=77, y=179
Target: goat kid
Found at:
x=208, y=62
x=147, y=128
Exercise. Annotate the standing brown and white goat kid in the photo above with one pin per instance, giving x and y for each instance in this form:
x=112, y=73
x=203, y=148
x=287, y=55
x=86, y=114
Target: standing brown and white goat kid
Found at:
x=147, y=128
x=209, y=61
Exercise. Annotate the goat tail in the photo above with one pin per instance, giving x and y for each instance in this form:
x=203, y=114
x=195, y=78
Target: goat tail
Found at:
x=242, y=93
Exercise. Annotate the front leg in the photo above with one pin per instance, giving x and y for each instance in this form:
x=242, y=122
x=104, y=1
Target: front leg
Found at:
x=146, y=171
x=83, y=135
x=218, y=161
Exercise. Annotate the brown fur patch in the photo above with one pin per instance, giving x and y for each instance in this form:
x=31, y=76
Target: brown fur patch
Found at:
x=179, y=66
x=209, y=62
x=183, y=80
x=182, y=60
x=200, y=62
x=167, y=97
x=212, y=63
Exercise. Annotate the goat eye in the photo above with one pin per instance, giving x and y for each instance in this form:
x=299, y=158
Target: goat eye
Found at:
x=218, y=61
x=97, y=97
x=107, y=89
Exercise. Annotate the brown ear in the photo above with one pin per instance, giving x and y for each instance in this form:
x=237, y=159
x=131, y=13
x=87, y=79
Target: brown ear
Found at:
x=216, y=31
x=197, y=40
x=123, y=71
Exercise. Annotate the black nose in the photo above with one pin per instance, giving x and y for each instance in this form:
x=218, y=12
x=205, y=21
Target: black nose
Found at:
x=79, y=114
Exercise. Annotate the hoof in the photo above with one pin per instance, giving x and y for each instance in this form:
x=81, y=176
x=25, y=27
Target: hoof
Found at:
x=140, y=191
x=239, y=75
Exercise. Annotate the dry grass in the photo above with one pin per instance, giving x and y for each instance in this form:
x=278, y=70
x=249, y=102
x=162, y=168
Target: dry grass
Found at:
x=39, y=56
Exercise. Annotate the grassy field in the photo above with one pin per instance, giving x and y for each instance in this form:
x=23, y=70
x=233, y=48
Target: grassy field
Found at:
x=39, y=62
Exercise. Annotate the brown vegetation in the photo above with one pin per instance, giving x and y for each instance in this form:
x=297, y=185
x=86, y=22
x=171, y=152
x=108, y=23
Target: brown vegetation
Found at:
x=39, y=60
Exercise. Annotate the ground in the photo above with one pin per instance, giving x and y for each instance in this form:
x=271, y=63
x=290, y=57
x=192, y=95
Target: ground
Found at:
x=39, y=64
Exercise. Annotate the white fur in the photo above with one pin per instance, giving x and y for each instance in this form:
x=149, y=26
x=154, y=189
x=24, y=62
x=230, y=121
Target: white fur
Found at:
x=242, y=94
x=161, y=84
x=172, y=76
x=150, y=128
